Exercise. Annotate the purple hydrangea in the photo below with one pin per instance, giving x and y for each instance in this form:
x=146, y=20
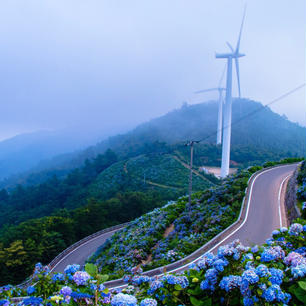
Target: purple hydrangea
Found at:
x=295, y=229
x=66, y=291
x=81, y=278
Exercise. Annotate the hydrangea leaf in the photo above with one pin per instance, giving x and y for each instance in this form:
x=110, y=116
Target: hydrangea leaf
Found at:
x=302, y=285
x=91, y=269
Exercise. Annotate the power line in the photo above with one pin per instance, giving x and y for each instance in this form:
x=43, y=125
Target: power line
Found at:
x=259, y=109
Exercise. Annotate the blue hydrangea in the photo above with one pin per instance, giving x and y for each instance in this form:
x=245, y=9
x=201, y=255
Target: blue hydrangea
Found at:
x=148, y=302
x=80, y=295
x=154, y=286
x=274, y=293
x=58, y=277
x=229, y=282
x=299, y=271
x=250, y=277
x=210, y=280
x=33, y=301
x=276, y=276
x=283, y=229
x=219, y=264
x=275, y=232
x=4, y=303
x=255, y=249
x=262, y=271
x=122, y=299
x=71, y=269
x=30, y=290
x=295, y=229
x=247, y=301
x=272, y=253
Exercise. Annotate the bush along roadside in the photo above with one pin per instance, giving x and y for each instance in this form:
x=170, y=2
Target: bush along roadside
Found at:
x=301, y=191
x=170, y=233
x=176, y=230
x=271, y=274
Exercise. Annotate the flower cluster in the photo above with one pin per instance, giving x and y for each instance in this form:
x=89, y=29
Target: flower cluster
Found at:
x=170, y=233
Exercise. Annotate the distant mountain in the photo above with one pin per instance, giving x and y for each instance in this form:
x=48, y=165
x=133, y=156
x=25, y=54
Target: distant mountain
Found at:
x=25, y=151
x=255, y=129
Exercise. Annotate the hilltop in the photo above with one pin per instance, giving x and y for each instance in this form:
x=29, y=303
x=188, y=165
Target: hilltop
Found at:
x=258, y=134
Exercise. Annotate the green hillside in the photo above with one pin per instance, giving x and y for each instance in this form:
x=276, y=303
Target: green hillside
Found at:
x=258, y=134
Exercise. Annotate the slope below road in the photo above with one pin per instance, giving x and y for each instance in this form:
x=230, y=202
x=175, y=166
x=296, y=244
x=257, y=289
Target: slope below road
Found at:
x=262, y=216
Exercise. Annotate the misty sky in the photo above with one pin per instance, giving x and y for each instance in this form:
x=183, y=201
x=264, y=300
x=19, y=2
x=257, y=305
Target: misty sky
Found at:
x=109, y=65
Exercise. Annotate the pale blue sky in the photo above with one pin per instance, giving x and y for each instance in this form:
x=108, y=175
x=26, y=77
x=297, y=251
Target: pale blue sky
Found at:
x=113, y=64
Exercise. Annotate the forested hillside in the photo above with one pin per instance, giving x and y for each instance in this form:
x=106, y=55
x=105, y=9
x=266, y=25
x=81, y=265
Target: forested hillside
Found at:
x=258, y=134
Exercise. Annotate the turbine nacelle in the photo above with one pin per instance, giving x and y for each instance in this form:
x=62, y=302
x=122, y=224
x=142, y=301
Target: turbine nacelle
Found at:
x=229, y=55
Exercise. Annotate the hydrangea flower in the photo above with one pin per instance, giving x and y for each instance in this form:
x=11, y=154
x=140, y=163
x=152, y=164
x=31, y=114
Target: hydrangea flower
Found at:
x=30, y=290
x=66, y=291
x=71, y=269
x=262, y=271
x=230, y=282
x=293, y=259
x=272, y=253
x=276, y=277
x=154, y=286
x=299, y=271
x=122, y=299
x=295, y=229
x=148, y=302
x=81, y=278
x=210, y=280
x=33, y=301
x=250, y=277
x=58, y=277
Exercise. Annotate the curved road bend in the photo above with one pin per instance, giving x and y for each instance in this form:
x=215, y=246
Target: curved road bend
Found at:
x=81, y=253
x=263, y=217
x=264, y=212
x=266, y=209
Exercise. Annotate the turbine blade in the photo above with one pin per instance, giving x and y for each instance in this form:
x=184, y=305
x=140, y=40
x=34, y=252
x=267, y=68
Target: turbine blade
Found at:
x=230, y=46
x=222, y=76
x=239, y=38
x=238, y=75
x=205, y=90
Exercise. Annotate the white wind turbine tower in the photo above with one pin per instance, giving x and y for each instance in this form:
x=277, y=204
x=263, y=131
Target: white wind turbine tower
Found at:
x=227, y=119
x=220, y=107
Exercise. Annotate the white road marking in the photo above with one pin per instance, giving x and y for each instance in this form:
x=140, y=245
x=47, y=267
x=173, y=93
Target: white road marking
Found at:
x=232, y=233
x=279, y=200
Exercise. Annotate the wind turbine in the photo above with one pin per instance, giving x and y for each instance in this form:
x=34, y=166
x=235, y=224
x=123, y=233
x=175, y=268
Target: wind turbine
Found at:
x=226, y=145
x=220, y=107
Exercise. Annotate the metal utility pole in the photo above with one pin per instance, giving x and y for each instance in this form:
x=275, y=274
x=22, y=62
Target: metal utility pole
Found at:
x=190, y=144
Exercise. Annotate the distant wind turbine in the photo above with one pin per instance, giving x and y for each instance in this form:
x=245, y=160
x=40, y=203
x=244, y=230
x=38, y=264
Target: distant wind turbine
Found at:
x=226, y=145
x=220, y=107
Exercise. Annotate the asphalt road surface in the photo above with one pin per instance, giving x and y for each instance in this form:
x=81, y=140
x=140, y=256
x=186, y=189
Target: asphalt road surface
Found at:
x=266, y=210
x=265, y=214
x=81, y=253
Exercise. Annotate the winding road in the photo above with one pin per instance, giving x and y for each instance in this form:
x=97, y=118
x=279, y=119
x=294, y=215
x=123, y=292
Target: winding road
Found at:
x=263, y=212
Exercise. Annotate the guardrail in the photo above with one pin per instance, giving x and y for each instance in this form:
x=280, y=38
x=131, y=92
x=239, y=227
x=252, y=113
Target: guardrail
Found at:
x=60, y=256
x=202, y=250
